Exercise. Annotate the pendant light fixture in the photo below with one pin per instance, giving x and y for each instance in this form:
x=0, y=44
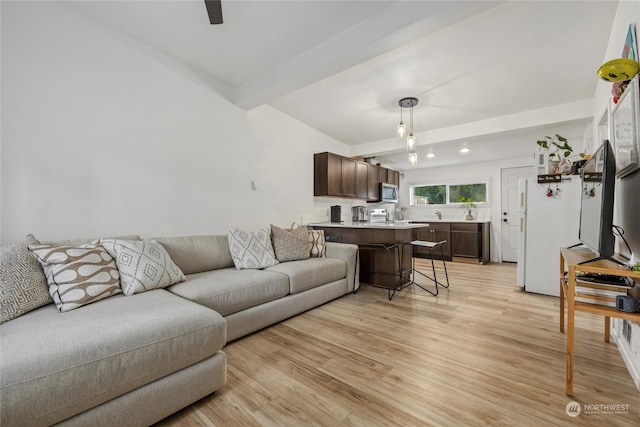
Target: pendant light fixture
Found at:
x=413, y=157
x=402, y=130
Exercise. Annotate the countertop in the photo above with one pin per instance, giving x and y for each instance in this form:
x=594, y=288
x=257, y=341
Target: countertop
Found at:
x=398, y=224
x=393, y=225
x=445, y=220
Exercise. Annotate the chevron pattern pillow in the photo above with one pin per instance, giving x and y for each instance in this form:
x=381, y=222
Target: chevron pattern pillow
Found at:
x=143, y=265
x=251, y=250
x=77, y=275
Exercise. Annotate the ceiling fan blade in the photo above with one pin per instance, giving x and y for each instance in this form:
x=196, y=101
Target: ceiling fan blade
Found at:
x=214, y=9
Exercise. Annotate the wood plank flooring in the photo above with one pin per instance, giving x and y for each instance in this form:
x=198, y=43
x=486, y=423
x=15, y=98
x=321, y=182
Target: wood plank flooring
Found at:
x=482, y=353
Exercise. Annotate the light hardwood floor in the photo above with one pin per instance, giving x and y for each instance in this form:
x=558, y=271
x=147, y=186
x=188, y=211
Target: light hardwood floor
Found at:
x=482, y=353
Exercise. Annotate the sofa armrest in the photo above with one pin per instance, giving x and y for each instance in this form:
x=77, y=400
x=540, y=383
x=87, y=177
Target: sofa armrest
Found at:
x=348, y=253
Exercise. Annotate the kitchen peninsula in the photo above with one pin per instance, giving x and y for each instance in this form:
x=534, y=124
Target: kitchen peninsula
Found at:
x=380, y=245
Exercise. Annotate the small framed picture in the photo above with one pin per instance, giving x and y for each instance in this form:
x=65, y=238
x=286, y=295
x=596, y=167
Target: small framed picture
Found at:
x=625, y=119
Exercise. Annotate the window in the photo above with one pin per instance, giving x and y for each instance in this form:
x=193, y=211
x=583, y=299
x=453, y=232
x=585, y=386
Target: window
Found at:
x=473, y=192
x=449, y=194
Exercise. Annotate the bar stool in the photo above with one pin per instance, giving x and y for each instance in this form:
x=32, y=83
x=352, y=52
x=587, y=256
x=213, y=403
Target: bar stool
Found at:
x=391, y=260
x=431, y=246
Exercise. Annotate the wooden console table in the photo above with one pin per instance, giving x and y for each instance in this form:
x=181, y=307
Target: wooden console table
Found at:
x=571, y=258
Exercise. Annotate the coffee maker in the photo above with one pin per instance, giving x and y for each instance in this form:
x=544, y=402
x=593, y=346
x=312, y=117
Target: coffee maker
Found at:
x=359, y=214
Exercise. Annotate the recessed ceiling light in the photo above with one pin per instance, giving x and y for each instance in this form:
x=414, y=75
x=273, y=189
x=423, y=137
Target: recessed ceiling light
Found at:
x=464, y=150
x=430, y=155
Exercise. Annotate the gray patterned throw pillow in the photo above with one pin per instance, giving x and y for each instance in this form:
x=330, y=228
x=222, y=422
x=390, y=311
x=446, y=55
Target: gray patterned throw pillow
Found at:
x=23, y=286
x=251, y=250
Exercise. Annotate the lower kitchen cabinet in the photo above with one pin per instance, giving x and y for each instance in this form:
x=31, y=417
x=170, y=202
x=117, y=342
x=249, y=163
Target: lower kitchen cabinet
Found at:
x=465, y=240
x=435, y=232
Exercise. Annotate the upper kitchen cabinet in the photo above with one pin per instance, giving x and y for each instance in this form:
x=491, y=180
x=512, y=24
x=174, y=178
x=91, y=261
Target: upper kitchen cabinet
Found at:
x=327, y=175
x=339, y=176
x=373, y=185
x=349, y=178
x=393, y=177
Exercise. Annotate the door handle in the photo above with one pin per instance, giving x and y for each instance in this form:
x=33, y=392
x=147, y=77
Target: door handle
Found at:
x=505, y=220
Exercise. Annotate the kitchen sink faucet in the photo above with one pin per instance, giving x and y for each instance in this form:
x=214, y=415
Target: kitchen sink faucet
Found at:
x=439, y=214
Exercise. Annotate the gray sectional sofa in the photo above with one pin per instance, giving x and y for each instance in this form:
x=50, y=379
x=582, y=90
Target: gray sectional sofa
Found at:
x=133, y=360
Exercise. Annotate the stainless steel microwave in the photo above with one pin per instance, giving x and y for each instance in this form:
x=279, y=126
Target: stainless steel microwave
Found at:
x=388, y=193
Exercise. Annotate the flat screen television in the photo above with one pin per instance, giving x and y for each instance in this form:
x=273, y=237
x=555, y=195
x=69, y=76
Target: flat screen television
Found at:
x=596, y=207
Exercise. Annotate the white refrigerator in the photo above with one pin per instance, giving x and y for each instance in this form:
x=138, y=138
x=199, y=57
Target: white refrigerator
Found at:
x=549, y=217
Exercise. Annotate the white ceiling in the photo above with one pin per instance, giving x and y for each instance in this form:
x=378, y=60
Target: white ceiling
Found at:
x=490, y=75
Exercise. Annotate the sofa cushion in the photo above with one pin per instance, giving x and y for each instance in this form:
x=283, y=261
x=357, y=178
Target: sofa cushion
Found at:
x=251, y=250
x=99, y=352
x=195, y=254
x=143, y=265
x=78, y=274
x=310, y=273
x=290, y=245
x=23, y=286
x=229, y=290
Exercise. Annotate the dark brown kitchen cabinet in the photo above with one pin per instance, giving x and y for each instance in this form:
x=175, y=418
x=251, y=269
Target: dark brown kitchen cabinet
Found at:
x=367, y=179
x=383, y=174
x=393, y=177
x=349, y=169
x=434, y=232
x=362, y=178
x=470, y=240
x=339, y=176
x=465, y=241
x=334, y=175
x=373, y=187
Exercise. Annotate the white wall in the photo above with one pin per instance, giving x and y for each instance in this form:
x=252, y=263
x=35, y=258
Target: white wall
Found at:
x=627, y=189
x=102, y=136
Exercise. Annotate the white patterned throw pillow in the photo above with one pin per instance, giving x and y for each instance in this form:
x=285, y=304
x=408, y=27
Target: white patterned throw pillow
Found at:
x=77, y=275
x=251, y=250
x=143, y=265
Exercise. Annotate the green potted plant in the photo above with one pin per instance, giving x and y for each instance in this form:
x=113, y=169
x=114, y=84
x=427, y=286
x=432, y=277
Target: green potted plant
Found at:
x=468, y=205
x=559, y=153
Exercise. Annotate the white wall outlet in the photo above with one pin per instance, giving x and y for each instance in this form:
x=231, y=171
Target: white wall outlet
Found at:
x=253, y=185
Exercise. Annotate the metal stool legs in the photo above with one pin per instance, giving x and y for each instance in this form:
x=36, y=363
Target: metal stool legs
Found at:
x=431, y=246
x=390, y=259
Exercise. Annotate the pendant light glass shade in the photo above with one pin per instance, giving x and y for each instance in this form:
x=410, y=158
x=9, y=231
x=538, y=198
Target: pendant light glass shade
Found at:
x=411, y=142
x=413, y=157
x=401, y=131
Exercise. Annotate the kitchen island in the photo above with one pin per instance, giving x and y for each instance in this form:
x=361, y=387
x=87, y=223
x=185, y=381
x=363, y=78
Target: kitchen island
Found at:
x=380, y=247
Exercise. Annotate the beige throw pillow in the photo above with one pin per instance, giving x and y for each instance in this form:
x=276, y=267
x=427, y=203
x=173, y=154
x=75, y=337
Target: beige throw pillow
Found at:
x=78, y=275
x=290, y=245
x=143, y=265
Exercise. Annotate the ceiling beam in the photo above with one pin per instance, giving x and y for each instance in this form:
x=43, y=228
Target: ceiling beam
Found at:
x=559, y=114
x=395, y=26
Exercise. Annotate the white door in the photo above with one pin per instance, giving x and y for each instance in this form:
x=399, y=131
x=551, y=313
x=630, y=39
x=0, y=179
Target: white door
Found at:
x=510, y=210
